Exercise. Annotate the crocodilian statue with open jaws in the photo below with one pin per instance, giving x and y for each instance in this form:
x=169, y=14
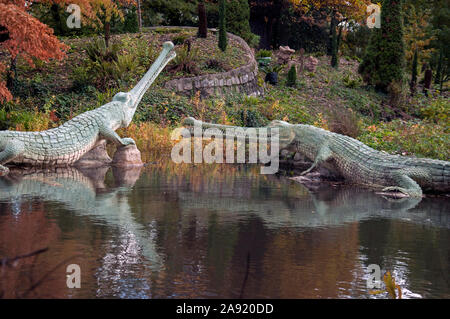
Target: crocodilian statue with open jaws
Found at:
x=68, y=143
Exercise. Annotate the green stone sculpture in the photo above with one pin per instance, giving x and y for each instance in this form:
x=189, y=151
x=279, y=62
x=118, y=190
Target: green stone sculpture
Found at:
x=356, y=162
x=66, y=144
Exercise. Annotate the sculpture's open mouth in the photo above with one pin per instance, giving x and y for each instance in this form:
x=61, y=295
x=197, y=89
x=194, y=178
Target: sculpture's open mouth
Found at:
x=249, y=134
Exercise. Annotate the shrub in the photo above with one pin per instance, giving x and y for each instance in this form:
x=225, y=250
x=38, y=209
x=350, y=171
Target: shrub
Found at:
x=264, y=54
x=131, y=23
x=292, y=77
x=216, y=65
x=343, y=121
x=272, y=68
x=438, y=112
x=180, y=38
x=186, y=60
x=81, y=78
x=97, y=51
x=145, y=53
x=406, y=138
x=105, y=67
x=25, y=120
x=351, y=82
x=396, y=93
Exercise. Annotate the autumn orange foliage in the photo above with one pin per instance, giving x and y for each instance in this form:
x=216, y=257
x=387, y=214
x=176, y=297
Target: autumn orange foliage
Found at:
x=351, y=9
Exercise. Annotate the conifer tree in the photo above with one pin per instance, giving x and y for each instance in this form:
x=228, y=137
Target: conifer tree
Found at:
x=383, y=63
x=222, y=26
x=292, y=77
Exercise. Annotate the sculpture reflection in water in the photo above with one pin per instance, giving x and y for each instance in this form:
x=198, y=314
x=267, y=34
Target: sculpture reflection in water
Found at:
x=323, y=207
x=84, y=192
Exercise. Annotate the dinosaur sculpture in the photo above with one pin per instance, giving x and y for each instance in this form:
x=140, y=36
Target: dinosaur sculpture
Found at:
x=66, y=144
x=356, y=162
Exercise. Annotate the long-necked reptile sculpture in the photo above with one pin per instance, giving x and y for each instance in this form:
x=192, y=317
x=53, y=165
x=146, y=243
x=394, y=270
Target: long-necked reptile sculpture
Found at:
x=356, y=162
x=66, y=144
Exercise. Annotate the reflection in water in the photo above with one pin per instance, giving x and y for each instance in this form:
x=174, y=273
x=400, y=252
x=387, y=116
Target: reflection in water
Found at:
x=173, y=232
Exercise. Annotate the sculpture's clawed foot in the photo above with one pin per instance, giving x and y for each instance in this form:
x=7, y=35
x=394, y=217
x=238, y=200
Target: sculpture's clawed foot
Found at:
x=399, y=192
x=4, y=170
x=128, y=141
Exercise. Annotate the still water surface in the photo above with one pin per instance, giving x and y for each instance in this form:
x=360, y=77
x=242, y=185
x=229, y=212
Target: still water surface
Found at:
x=197, y=232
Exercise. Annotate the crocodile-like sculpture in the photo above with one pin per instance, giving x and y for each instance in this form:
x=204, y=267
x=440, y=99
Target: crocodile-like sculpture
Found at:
x=66, y=144
x=356, y=162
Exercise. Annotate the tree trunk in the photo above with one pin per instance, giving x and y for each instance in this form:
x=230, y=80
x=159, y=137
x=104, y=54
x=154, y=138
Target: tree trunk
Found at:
x=11, y=75
x=55, y=14
x=334, y=49
x=139, y=14
x=427, y=82
x=4, y=34
x=107, y=33
x=202, y=21
x=413, y=83
x=437, y=80
x=339, y=37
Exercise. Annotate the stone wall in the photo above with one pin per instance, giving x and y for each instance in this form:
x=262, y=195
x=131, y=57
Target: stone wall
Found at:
x=240, y=80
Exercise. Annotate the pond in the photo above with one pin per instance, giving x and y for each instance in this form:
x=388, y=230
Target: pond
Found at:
x=213, y=231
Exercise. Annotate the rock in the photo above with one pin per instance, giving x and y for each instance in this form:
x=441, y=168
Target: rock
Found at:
x=126, y=156
x=96, y=157
x=311, y=63
x=284, y=54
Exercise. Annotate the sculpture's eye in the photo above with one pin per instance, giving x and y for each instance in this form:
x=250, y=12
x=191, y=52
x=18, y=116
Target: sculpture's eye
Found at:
x=121, y=97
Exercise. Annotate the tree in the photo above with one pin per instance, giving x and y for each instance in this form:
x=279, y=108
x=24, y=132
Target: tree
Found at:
x=202, y=22
x=441, y=24
x=170, y=12
x=103, y=11
x=418, y=36
x=222, y=26
x=139, y=14
x=339, y=12
x=238, y=21
x=384, y=60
